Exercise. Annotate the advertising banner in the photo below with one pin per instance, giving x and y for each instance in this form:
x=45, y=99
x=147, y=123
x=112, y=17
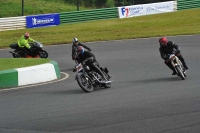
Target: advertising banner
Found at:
x=145, y=9
x=159, y=7
x=130, y=11
x=42, y=20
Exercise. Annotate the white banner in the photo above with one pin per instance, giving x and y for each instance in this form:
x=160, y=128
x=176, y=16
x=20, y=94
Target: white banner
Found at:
x=145, y=9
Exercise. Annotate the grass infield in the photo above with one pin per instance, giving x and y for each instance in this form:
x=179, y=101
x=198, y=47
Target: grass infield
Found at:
x=11, y=63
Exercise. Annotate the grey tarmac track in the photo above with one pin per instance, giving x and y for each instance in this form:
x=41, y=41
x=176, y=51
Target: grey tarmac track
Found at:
x=144, y=98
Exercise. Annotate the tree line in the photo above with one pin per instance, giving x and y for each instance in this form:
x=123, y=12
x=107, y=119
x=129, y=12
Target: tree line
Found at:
x=110, y=3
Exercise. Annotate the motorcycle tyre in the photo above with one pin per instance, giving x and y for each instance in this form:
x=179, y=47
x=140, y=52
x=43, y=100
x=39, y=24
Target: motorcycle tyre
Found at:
x=17, y=56
x=43, y=54
x=86, y=89
x=108, y=85
x=180, y=73
x=184, y=74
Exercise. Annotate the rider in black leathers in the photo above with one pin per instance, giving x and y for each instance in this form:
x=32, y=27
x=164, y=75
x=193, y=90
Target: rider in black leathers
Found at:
x=86, y=57
x=169, y=47
x=75, y=44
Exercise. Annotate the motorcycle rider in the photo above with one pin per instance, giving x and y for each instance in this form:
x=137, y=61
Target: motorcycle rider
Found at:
x=169, y=47
x=23, y=43
x=75, y=44
x=84, y=57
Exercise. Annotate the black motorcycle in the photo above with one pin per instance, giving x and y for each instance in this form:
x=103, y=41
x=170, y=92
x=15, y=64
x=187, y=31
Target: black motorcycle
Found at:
x=89, y=79
x=36, y=51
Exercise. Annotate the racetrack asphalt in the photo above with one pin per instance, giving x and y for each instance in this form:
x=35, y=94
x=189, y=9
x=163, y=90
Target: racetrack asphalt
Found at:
x=144, y=97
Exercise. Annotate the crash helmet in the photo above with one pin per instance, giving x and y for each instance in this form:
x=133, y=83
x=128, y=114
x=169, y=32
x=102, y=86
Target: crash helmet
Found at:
x=80, y=50
x=26, y=35
x=163, y=41
x=74, y=40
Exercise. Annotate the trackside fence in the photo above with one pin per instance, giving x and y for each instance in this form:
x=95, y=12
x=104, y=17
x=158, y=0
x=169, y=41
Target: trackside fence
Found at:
x=188, y=4
x=12, y=23
x=88, y=15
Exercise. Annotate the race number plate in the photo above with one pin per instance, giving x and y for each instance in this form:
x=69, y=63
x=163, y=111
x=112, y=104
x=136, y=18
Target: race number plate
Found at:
x=79, y=67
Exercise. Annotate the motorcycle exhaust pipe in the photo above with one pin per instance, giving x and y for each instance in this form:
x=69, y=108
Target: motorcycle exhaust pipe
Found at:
x=102, y=82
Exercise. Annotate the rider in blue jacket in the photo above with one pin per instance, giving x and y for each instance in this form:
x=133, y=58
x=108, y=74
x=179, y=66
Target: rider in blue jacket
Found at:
x=75, y=45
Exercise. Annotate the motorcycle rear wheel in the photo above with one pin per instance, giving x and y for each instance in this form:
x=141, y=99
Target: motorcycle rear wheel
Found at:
x=18, y=54
x=85, y=83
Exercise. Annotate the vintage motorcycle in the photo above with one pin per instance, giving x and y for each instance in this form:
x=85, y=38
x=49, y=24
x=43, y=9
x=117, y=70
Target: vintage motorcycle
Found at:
x=88, y=79
x=177, y=64
x=36, y=51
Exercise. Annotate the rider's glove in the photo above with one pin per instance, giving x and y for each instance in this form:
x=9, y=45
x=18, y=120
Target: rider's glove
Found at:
x=177, y=51
x=167, y=56
x=83, y=62
x=89, y=49
x=34, y=42
x=73, y=57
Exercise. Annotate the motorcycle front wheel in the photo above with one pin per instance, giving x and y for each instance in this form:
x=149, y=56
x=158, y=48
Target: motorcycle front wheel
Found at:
x=85, y=83
x=43, y=54
x=108, y=85
x=180, y=73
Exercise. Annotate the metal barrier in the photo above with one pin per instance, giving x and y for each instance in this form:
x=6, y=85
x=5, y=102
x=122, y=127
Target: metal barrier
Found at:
x=88, y=15
x=188, y=4
x=12, y=23
x=175, y=5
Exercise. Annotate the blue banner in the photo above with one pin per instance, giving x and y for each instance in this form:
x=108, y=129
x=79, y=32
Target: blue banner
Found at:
x=42, y=20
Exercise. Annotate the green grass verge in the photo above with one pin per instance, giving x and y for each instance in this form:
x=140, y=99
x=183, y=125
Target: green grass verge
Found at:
x=11, y=63
x=167, y=24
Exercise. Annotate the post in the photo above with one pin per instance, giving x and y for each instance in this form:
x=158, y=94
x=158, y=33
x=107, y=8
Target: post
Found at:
x=22, y=7
x=78, y=1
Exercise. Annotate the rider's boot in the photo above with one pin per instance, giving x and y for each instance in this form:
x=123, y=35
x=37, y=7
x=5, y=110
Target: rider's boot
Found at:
x=185, y=66
x=183, y=61
x=171, y=67
x=174, y=73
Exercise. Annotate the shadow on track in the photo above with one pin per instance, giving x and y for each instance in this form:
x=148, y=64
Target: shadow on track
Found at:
x=154, y=80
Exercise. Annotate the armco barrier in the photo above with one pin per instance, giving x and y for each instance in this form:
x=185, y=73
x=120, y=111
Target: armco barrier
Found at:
x=12, y=23
x=88, y=15
x=29, y=75
x=188, y=4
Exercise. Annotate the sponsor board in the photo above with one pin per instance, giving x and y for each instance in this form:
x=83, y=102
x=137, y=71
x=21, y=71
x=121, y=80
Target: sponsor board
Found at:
x=145, y=9
x=42, y=20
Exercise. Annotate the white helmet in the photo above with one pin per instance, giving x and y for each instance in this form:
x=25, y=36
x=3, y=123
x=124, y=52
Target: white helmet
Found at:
x=75, y=40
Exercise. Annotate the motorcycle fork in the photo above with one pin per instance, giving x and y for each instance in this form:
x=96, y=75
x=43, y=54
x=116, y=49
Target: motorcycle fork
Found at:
x=177, y=62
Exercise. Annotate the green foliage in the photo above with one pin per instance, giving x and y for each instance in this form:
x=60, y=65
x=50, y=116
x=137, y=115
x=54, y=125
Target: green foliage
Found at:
x=13, y=8
x=110, y=3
